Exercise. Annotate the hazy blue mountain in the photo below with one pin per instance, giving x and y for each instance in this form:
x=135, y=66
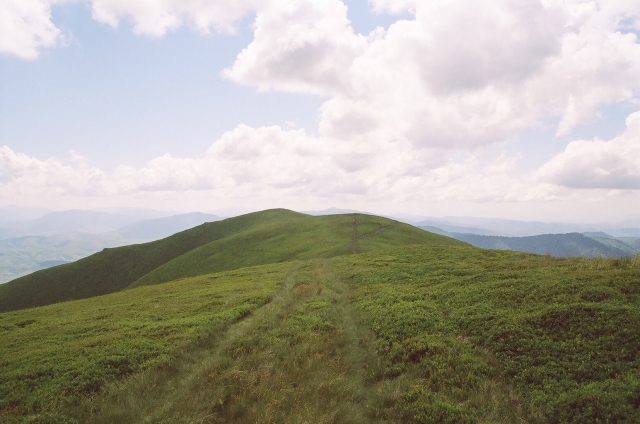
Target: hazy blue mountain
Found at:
x=154, y=229
x=515, y=228
x=628, y=247
x=24, y=255
x=455, y=228
x=138, y=214
x=631, y=241
x=521, y=228
x=80, y=221
x=624, y=232
x=596, y=234
x=563, y=245
x=12, y=217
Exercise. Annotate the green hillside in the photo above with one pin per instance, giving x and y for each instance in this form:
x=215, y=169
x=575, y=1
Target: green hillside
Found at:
x=419, y=334
x=295, y=238
x=114, y=269
x=258, y=238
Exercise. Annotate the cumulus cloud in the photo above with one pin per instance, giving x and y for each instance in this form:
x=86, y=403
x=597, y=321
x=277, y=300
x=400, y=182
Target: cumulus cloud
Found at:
x=299, y=46
x=393, y=6
x=457, y=75
x=613, y=164
x=270, y=162
x=244, y=160
x=155, y=18
x=22, y=175
x=26, y=27
x=407, y=108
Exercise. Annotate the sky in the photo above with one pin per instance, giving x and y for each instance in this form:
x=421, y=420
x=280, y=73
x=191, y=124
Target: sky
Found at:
x=525, y=110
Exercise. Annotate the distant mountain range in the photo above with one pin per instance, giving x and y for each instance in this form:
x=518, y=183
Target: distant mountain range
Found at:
x=155, y=229
x=514, y=228
x=561, y=245
x=36, y=238
x=80, y=234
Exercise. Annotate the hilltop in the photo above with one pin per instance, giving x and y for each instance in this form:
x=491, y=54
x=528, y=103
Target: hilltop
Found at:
x=416, y=334
x=258, y=238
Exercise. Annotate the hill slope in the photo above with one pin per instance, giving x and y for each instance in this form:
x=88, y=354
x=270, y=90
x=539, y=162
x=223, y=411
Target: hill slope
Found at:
x=114, y=269
x=419, y=334
x=258, y=238
x=298, y=238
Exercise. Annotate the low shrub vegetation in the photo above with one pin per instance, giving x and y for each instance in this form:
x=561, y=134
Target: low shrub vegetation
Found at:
x=562, y=333
x=53, y=358
x=418, y=334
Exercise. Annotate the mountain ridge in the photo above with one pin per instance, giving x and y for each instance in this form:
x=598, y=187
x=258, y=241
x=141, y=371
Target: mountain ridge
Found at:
x=236, y=242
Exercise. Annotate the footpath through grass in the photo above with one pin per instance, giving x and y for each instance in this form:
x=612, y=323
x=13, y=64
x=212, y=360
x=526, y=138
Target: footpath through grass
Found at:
x=417, y=335
x=54, y=358
x=304, y=357
x=308, y=356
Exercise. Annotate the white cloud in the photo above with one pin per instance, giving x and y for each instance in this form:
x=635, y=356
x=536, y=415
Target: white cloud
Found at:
x=299, y=46
x=392, y=6
x=459, y=75
x=155, y=18
x=23, y=175
x=26, y=27
x=272, y=163
x=269, y=166
x=407, y=108
x=613, y=164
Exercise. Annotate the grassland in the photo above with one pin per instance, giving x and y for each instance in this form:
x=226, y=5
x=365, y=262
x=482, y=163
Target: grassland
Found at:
x=55, y=357
x=298, y=237
x=259, y=238
x=379, y=332
x=422, y=334
x=562, y=332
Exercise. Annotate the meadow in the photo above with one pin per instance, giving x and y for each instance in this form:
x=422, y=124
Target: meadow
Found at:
x=384, y=332
x=56, y=357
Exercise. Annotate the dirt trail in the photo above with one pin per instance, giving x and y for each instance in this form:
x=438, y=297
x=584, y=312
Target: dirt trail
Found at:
x=353, y=245
x=354, y=238
x=378, y=230
x=304, y=357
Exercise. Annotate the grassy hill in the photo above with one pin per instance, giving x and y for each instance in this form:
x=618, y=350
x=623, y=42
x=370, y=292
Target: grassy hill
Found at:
x=296, y=238
x=258, y=238
x=418, y=334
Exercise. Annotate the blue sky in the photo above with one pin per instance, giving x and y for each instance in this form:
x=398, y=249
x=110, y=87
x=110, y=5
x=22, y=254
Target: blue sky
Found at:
x=429, y=108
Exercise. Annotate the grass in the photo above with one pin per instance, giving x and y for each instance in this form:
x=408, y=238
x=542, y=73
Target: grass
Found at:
x=305, y=357
x=562, y=332
x=112, y=270
x=298, y=238
x=417, y=334
x=259, y=238
x=55, y=357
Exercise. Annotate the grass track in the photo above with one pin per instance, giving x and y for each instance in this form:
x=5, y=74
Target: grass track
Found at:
x=55, y=357
x=309, y=356
x=304, y=357
x=419, y=335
